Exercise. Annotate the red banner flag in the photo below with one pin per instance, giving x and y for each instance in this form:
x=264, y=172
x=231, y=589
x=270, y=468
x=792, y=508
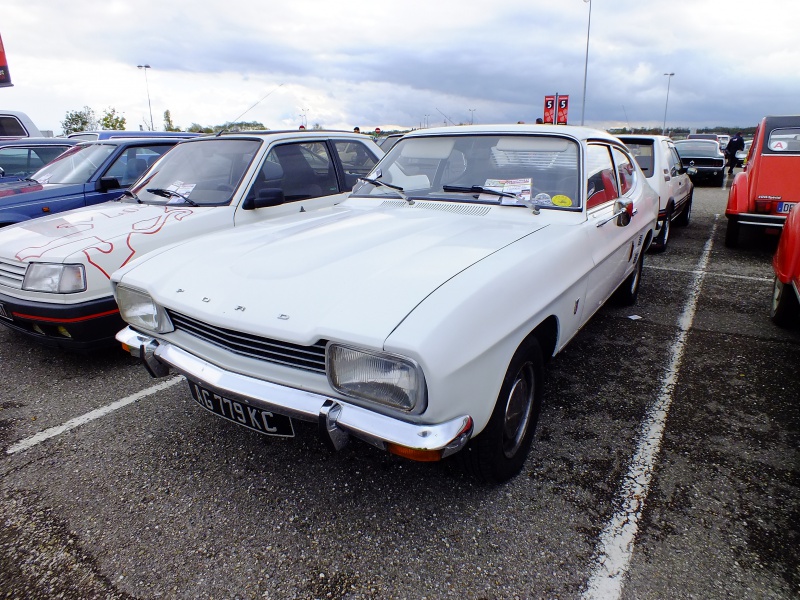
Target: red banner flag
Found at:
x=563, y=108
x=5, y=77
x=549, y=109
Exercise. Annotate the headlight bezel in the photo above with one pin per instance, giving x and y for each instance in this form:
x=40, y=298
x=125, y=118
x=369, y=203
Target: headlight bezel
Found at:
x=54, y=278
x=129, y=299
x=369, y=391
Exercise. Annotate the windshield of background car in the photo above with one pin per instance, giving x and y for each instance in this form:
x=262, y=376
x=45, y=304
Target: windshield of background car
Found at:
x=642, y=151
x=206, y=172
x=539, y=168
x=697, y=148
x=76, y=165
x=785, y=140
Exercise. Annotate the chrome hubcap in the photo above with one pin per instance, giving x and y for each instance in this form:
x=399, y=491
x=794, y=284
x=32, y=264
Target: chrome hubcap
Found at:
x=518, y=410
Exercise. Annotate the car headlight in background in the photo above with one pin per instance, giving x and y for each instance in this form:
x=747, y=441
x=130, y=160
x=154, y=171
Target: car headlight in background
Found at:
x=386, y=379
x=139, y=309
x=54, y=278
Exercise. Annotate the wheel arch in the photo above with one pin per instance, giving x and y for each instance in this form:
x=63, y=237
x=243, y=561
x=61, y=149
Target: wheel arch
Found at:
x=546, y=335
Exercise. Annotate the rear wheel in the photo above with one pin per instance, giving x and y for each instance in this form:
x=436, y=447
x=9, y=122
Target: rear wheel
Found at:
x=785, y=309
x=732, y=234
x=499, y=451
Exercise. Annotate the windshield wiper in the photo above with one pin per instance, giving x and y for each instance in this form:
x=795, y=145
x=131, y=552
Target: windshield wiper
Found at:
x=164, y=193
x=132, y=195
x=477, y=189
x=391, y=186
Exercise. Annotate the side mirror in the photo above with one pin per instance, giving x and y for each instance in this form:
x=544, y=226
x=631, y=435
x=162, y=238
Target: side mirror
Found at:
x=623, y=210
x=106, y=184
x=266, y=197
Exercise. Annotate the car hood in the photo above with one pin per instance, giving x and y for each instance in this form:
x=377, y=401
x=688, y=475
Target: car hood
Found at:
x=344, y=273
x=67, y=236
x=29, y=190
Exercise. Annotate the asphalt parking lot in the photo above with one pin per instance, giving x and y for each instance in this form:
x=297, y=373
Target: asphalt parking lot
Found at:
x=665, y=465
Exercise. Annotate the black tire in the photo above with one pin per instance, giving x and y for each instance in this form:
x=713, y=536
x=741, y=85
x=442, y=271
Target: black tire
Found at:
x=498, y=453
x=683, y=219
x=628, y=292
x=660, y=243
x=785, y=309
x=732, y=234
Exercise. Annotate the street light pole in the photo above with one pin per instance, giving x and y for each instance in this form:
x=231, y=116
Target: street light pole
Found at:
x=669, y=80
x=471, y=116
x=147, y=85
x=586, y=61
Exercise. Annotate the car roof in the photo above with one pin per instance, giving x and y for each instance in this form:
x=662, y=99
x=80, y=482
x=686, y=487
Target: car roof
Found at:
x=131, y=141
x=37, y=141
x=574, y=131
x=283, y=134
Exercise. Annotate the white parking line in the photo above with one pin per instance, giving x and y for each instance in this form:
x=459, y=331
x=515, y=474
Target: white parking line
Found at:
x=91, y=416
x=613, y=554
x=723, y=275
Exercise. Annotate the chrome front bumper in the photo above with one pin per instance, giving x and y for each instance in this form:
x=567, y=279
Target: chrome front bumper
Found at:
x=337, y=420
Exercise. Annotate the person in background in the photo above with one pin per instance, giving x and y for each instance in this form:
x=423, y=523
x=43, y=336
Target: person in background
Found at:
x=539, y=121
x=356, y=130
x=735, y=145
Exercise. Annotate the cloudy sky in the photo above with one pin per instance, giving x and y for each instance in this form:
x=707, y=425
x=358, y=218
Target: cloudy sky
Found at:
x=404, y=63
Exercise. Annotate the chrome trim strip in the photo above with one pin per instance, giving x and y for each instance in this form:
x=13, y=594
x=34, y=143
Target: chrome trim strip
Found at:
x=372, y=427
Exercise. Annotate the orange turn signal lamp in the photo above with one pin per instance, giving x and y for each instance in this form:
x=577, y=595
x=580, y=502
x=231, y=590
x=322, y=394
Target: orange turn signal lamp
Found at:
x=421, y=455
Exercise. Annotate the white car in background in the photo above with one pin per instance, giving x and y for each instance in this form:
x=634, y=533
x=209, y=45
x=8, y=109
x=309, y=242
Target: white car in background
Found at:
x=661, y=165
x=55, y=271
x=416, y=315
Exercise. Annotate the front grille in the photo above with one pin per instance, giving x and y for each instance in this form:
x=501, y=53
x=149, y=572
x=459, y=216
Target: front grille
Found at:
x=309, y=358
x=12, y=273
x=704, y=162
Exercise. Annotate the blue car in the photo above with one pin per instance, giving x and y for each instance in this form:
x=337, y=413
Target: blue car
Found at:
x=110, y=134
x=86, y=174
x=21, y=158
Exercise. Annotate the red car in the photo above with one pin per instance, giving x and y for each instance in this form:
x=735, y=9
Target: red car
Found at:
x=785, y=310
x=764, y=193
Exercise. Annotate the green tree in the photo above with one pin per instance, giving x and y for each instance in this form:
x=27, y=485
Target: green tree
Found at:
x=79, y=120
x=197, y=128
x=111, y=120
x=168, y=124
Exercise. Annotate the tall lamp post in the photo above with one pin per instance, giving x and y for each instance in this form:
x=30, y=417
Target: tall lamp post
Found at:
x=669, y=80
x=147, y=85
x=586, y=61
x=471, y=116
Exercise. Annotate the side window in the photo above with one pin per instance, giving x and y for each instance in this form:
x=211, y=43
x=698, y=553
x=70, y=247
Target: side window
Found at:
x=601, y=185
x=356, y=159
x=626, y=172
x=11, y=127
x=306, y=170
x=133, y=162
x=676, y=167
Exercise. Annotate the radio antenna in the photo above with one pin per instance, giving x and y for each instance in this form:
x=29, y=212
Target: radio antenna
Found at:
x=256, y=104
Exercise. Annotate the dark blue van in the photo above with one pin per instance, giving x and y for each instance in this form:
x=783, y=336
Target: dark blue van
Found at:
x=86, y=174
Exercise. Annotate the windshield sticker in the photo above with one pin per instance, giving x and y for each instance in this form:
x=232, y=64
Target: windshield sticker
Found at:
x=562, y=200
x=184, y=189
x=520, y=187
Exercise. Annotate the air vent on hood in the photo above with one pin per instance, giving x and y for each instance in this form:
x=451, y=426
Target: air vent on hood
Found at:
x=461, y=209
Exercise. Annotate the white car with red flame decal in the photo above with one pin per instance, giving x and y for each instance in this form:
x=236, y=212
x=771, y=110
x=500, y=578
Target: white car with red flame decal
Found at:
x=55, y=271
x=417, y=314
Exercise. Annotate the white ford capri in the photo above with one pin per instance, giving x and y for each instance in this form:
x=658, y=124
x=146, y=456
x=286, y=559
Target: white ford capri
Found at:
x=417, y=314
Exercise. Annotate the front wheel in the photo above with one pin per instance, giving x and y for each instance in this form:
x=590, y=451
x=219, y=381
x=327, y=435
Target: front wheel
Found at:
x=785, y=308
x=685, y=217
x=498, y=453
x=661, y=241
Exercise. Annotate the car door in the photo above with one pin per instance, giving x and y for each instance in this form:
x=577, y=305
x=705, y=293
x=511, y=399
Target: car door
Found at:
x=304, y=171
x=679, y=183
x=610, y=176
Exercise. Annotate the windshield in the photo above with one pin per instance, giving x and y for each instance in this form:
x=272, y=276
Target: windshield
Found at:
x=76, y=165
x=205, y=172
x=495, y=169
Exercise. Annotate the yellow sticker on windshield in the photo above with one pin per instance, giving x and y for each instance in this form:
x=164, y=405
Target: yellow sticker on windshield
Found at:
x=562, y=200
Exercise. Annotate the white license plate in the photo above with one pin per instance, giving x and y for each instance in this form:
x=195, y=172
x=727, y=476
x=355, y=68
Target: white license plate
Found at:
x=262, y=421
x=785, y=207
